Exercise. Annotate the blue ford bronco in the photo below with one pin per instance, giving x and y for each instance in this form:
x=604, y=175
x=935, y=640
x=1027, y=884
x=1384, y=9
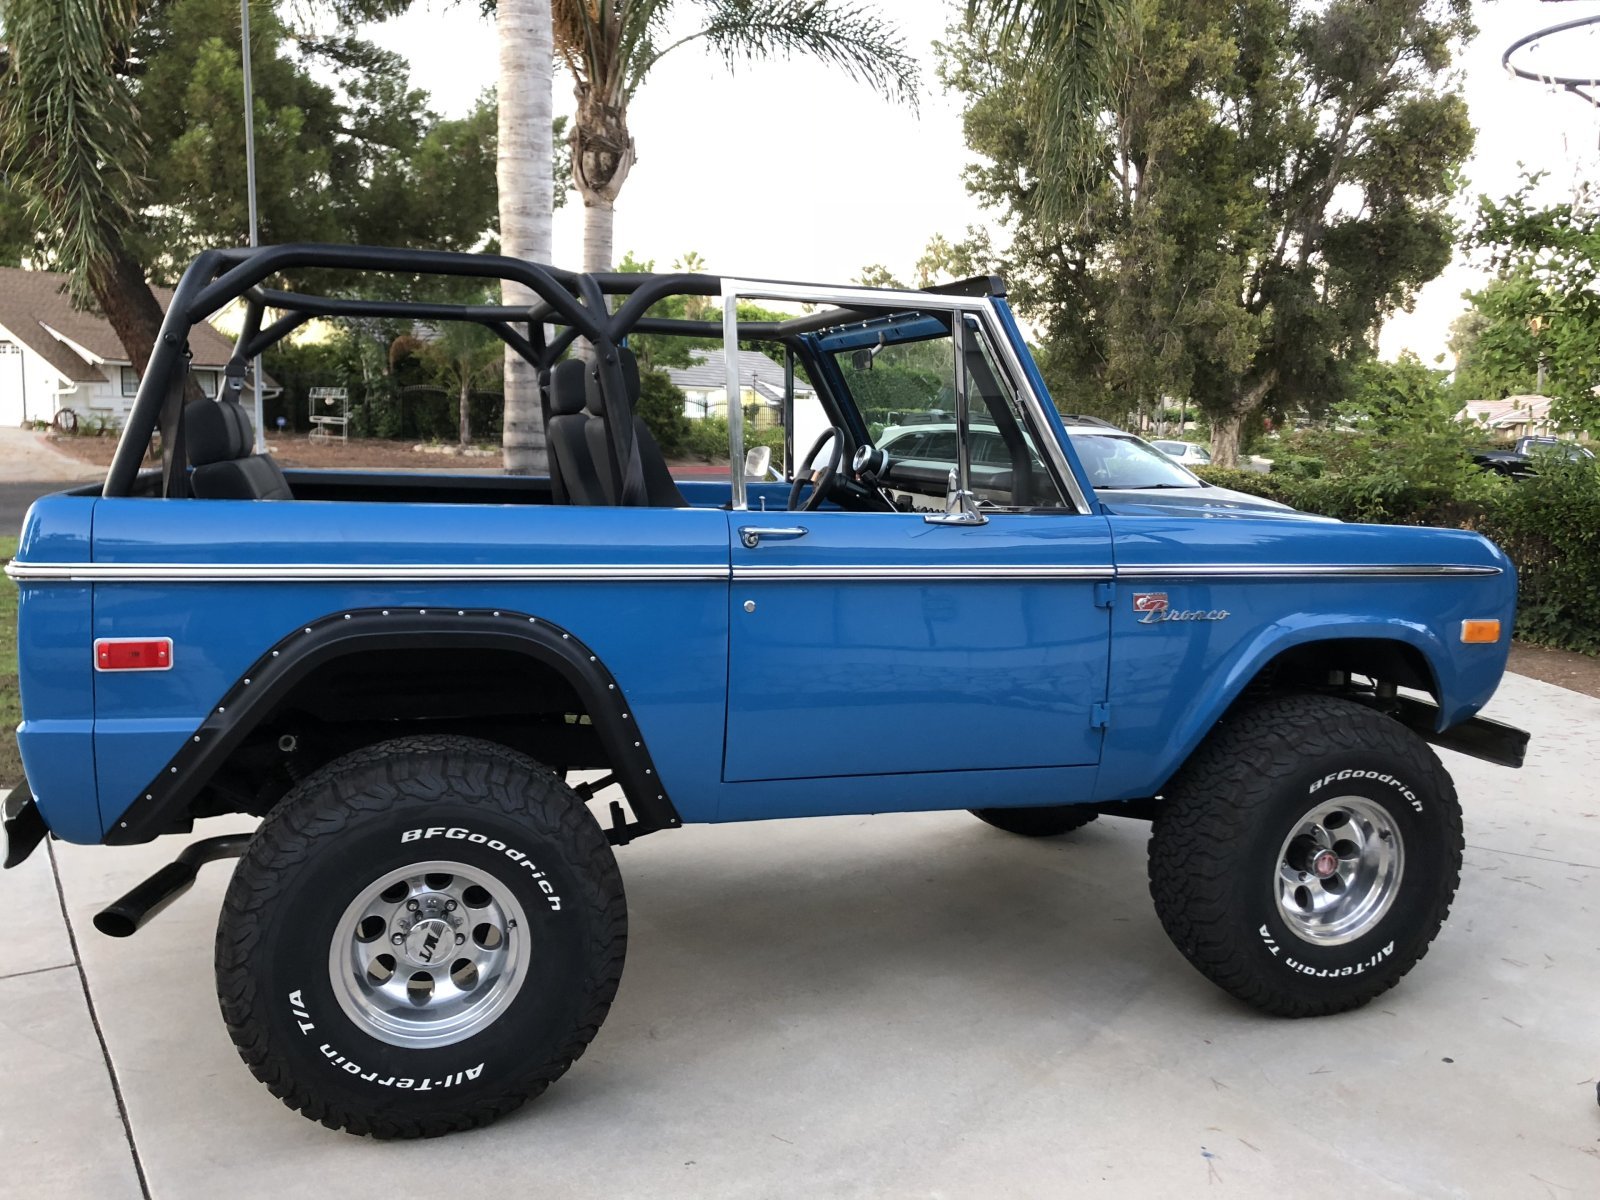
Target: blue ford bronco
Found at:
x=419, y=682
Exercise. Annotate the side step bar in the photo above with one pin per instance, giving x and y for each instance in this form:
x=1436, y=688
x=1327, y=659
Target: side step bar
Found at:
x=126, y=916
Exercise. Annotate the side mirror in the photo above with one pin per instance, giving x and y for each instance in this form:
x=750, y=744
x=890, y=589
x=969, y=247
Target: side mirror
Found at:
x=960, y=507
x=861, y=360
x=758, y=462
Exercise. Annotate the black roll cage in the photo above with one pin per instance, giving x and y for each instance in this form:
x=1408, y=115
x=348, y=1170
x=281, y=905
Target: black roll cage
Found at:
x=570, y=304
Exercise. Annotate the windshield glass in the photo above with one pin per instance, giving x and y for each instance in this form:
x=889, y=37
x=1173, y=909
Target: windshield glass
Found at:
x=1120, y=460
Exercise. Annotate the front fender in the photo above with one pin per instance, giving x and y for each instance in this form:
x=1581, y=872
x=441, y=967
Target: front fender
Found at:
x=1256, y=590
x=1152, y=735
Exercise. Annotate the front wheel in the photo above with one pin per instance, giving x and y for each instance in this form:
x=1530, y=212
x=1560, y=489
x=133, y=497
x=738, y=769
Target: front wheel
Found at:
x=1306, y=856
x=421, y=937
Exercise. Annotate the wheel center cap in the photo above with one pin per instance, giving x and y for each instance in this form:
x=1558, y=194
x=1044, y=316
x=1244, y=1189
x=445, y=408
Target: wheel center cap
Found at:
x=429, y=942
x=1324, y=864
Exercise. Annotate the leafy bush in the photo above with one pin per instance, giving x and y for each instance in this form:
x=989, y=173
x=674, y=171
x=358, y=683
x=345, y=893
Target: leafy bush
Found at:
x=708, y=439
x=1550, y=526
x=661, y=408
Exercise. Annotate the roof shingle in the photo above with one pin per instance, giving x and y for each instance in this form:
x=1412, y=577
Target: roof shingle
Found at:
x=35, y=308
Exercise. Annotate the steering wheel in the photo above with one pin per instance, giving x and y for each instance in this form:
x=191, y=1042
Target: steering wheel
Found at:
x=824, y=481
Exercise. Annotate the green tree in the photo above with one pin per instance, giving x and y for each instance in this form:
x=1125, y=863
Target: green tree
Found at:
x=1539, y=318
x=122, y=132
x=461, y=356
x=1270, y=181
x=72, y=151
x=610, y=47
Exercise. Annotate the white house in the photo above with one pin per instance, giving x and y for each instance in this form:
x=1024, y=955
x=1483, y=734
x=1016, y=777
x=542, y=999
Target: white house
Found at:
x=55, y=358
x=1514, y=416
x=705, y=385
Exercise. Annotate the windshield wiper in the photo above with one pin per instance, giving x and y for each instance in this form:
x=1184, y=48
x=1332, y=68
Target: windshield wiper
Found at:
x=1146, y=487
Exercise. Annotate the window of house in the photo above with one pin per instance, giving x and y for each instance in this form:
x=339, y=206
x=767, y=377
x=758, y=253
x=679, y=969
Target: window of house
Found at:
x=130, y=382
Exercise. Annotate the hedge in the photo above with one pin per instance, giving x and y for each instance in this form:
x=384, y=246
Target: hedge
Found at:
x=1549, y=526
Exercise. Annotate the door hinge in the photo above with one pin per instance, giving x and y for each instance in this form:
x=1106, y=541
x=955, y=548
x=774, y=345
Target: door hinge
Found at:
x=1105, y=594
x=1099, y=715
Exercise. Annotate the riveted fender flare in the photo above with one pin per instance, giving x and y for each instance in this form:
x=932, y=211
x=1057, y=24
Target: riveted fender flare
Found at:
x=358, y=631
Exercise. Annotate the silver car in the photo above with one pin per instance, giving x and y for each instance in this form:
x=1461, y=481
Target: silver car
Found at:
x=1124, y=469
x=1189, y=454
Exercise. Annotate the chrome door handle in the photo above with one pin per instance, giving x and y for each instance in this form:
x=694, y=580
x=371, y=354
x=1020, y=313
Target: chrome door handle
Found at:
x=752, y=535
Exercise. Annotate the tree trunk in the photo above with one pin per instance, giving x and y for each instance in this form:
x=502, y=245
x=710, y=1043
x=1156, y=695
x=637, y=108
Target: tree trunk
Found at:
x=1226, y=430
x=602, y=156
x=119, y=288
x=466, y=407
x=598, y=223
x=1227, y=426
x=524, y=174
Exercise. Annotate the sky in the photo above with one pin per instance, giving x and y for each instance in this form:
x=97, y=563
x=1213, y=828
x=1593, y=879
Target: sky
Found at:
x=788, y=170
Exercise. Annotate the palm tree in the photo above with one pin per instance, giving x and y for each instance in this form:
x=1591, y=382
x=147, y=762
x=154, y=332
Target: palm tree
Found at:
x=461, y=355
x=70, y=141
x=1076, y=50
x=525, y=176
x=610, y=46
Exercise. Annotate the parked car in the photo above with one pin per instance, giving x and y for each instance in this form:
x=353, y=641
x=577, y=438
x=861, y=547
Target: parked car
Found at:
x=1123, y=468
x=1187, y=453
x=1528, y=454
x=406, y=676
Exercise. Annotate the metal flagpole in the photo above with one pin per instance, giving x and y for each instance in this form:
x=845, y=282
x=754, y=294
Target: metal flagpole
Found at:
x=250, y=187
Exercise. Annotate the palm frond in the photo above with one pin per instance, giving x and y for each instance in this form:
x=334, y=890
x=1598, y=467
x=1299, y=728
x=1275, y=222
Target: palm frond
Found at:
x=852, y=37
x=68, y=124
x=1076, y=50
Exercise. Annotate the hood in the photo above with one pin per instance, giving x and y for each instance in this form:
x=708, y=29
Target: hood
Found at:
x=1204, y=501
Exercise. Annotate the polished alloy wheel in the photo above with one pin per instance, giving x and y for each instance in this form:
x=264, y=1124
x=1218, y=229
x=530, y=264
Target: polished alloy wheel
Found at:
x=1339, y=870
x=429, y=954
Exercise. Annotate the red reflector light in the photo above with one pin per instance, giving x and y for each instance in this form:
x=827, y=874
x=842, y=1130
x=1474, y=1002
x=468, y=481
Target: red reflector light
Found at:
x=133, y=654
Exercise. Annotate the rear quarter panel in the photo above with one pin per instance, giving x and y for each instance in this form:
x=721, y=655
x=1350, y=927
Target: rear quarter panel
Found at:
x=663, y=640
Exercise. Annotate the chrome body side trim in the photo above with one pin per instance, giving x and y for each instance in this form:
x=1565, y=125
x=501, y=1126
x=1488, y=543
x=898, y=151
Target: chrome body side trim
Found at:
x=607, y=573
x=1305, y=571
x=922, y=574
x=306, y=572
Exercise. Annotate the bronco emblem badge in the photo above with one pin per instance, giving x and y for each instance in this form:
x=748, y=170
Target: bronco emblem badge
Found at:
x=1155, y=609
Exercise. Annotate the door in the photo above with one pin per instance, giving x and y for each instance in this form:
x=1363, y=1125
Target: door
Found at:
x=878, y=643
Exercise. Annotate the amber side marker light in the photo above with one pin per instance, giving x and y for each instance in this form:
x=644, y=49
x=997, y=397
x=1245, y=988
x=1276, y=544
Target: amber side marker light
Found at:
x=1480, y=631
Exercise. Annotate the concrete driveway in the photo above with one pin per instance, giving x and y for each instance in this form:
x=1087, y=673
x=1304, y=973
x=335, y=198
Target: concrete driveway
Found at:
x=889, y=1006
x=31, y=467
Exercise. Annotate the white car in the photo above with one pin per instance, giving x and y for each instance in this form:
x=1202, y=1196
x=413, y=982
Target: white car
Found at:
x=1187, y=453
x=1124, y=469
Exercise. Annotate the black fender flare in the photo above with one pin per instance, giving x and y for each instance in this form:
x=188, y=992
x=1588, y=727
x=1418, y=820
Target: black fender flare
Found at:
x=161, y=802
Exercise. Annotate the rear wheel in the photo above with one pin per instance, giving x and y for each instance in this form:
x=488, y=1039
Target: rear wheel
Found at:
x=1051, y=821
x=1306, y=856
x=422, y=936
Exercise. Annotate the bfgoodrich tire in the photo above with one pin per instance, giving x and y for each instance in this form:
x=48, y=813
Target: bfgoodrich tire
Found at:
x=1051, y=821
x=1306, y=856
x=423, y=936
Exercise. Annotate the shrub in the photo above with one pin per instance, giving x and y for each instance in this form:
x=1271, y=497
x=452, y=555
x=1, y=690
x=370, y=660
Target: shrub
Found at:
x=661, y=409
x=1550, y=527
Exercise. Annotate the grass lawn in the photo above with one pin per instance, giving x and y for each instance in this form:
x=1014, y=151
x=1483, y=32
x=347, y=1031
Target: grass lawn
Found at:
x=10, y=699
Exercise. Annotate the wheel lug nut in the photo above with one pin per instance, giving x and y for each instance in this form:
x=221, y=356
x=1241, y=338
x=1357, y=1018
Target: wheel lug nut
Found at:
x=460, y=938
x=398, y=939
x=449, y=906
x=413, y=905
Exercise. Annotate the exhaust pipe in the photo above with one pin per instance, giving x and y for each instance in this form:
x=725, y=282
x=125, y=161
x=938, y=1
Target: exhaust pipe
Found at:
x=125, y=917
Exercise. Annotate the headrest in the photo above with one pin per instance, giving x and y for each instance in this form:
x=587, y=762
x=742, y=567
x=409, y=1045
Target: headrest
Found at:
x=567, y=389
x=216, y=431
x=630, y=380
